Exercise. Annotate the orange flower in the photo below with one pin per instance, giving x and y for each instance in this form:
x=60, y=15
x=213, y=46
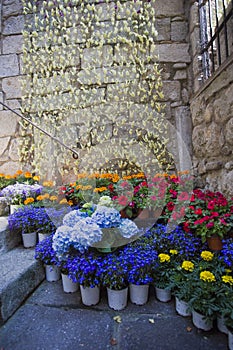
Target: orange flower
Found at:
x=28, y=200
x=8, y=177
x=46, y=196
x=100, y=189
x=39, y=198
x=70, y=202
x=28, y=175
x=2, y=175
x=19, y=172
x=36, y=178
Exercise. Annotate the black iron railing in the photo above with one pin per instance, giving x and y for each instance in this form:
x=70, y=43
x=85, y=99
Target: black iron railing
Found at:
x=216, y=33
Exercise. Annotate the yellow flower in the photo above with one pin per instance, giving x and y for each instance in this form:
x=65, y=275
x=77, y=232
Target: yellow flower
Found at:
x=187, y=265
x=36, y=178
x=227, y=279
x=2, y=175
x=228, y=270
x=8, y=177
x=39, y=198
x=78, y=187
x=173, y=251
x=206, y=255
x=19, y=172
x=70, y=202
x=28, y=200
x=46, y=196
x=207, y=276
x=63, y=201
x=48, y=183
x=53, y=198
x=164, y=258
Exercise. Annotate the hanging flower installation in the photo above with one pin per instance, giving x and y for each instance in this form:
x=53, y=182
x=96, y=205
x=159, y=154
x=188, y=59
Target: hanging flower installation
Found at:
x=91, y=79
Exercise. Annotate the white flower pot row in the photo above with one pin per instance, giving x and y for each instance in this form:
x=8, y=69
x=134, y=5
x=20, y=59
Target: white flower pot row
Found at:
x=117, y=299
x=30, y=239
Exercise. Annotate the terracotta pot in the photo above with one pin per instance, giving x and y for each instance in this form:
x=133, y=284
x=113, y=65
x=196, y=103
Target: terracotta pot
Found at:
x=214, y=242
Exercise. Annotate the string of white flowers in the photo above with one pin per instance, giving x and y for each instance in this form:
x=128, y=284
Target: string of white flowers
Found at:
x=89, y=76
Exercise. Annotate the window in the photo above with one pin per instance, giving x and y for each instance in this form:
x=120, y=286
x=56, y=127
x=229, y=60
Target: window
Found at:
x=216, y=33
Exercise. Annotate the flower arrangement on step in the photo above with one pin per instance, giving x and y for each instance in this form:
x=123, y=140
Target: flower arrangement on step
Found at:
x=104, y=229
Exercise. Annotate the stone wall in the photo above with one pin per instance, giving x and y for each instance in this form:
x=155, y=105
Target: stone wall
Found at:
x=212, y=118
x=11, y=26
x=172, y=46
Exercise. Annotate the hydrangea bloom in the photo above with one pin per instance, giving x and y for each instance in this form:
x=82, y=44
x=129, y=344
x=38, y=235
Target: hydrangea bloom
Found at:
x=128, y=228
x=72, y=218
x=17, y=193
x=106, y=217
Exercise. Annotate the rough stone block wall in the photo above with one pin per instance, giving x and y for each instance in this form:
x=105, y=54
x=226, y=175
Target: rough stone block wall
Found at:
x=212, y=118
x=11, y=26
x=172, y=48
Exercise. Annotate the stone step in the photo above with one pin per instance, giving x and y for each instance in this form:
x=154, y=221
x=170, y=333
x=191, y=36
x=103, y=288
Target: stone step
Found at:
x=8, y=239
x=20, y=275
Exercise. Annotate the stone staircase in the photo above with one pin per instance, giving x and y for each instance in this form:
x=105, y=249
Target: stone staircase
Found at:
x=20, y=272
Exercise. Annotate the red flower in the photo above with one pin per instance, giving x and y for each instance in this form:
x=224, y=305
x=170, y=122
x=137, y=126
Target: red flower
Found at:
x=211, y=205
x=198, y=211
x=122, y=200
x=210, y=224
x=173, y=193
x=186, y=226
x=170, y=206
x=111, y=187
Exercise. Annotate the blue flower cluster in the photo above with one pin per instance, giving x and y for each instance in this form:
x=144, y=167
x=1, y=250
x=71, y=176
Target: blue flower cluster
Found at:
x=45, y=252
x=29, y=218
x=226, y=254
x=80, y=231
x=106, y=217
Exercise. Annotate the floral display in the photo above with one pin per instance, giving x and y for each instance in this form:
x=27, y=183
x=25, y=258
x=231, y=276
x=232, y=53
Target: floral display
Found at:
x=19, y=193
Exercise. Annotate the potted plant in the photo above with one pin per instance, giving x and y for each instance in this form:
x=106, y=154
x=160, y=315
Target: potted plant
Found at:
x=161, y=273
x=115, y=278
x=27, y=221
x=181, y=283
x=85, y=269
x=18, y=193
x=140, y=257
x=45, y=253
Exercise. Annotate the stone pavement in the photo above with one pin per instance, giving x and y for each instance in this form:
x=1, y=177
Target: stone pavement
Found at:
x=53, y=320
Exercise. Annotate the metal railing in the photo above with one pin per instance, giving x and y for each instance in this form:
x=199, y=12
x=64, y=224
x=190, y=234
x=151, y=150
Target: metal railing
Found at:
x=216, y=33
x=75, y=153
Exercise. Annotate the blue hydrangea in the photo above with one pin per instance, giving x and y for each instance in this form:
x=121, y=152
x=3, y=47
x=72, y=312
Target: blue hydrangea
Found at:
x=73, y=217
x=106, y=217
x=128, y=228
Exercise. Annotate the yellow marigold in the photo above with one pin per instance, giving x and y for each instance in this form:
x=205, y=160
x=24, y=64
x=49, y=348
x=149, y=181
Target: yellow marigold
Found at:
x=115, y=178
x=28, y=200
x=28, y=175
x=100, y=189
x=8, y=177
x=70, y=202
x=173, y=251
x=86, y=188
x=187, y=265
x=227, y=279
x=53, y=198
x=81, y=176
x=164, y=257
x=206, y=255
x=36, y=178
x=48, y=183
x=46, y=196
x=228, y=270
x=19, y=172
x=2, y=175
x=207, y=276
x=78, y=187
x=63, y=201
